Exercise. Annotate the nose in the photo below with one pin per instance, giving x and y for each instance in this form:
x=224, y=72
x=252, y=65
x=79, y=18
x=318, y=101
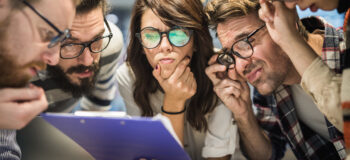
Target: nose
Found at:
x=51, y=55
x=86, y=57
x=165, y=45
x=242, y=64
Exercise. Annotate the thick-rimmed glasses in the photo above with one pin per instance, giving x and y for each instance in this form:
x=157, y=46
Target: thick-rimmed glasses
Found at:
x=73, y=50
x=151, y=37
x=62, y=35
x=241, y=48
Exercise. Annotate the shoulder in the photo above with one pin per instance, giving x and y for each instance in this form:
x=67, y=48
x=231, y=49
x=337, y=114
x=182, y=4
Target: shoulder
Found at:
x=125, y=76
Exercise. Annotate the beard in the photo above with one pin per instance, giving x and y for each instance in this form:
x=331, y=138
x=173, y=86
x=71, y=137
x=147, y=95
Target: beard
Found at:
x=77, y=90
x=13, y=75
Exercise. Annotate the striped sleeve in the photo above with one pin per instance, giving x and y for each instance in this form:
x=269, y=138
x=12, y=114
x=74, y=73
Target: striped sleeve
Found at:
x=105, y=86
x=9, y=148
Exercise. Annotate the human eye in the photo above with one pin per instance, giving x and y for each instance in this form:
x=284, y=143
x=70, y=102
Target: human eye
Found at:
x=46, y=35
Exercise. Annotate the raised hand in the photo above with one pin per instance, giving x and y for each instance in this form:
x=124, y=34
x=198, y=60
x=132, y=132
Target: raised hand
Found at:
x=20, y=106
x=281, y=22
x=232, y=89
x=179, y=87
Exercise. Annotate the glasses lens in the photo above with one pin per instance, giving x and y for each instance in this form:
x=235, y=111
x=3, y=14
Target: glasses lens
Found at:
x=70, y=50
x=179, y=37
x=225, y=59
x=98, y=45
x=150, y=38
x=60, y=38
x=243, y=48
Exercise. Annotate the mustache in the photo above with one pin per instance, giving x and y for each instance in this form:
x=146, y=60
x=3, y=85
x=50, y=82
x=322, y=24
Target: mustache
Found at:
x=252, y=66
x=82, y=68
x=249, y=69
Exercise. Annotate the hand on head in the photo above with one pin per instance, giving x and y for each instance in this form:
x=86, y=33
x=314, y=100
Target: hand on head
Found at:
x=281, y=22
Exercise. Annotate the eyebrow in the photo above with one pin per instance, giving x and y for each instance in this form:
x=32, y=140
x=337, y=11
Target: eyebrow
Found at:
x=99, y=34
x=241, y=36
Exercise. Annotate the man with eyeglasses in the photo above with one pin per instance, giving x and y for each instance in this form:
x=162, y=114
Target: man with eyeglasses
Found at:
x=31, y=32
x=285, y=113
x=88, y=60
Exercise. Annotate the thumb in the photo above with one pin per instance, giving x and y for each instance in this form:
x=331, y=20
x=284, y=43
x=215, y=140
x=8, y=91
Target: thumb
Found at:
x=156, y=74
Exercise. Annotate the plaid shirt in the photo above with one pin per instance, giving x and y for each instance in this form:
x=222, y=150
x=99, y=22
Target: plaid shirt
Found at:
x=276, y=114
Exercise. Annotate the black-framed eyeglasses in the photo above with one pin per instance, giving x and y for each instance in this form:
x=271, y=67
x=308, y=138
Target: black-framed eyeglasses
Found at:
x=241, y=48
x=151, y=37
x=62, y=35
x=73, y=50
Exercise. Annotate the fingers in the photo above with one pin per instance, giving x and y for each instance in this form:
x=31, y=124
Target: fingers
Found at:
x=212, y=59
x=28, y=110
x=185, y=75
x=212, y=71
x=156, y=74
x=180, y=70
x=20, y=94
x=266, y=12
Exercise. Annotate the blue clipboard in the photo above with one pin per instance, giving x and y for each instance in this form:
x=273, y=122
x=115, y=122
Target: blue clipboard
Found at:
x=109, y=138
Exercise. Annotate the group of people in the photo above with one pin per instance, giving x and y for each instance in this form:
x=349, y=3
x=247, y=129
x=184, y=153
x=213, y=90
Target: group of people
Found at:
x=55, y=54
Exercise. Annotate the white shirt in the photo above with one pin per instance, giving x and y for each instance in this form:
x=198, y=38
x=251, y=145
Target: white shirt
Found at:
x=220, y=140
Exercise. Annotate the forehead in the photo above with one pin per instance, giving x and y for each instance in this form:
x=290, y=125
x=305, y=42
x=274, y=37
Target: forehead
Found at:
x=232, y=29
x=149, y=19
x=60, y=13
x=88, y=25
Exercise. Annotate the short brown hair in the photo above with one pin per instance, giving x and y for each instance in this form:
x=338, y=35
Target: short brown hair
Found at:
x=88, y=5
x=219, y=11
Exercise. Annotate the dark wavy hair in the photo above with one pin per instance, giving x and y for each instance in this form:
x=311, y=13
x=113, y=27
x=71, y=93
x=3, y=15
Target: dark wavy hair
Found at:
x=184, y=13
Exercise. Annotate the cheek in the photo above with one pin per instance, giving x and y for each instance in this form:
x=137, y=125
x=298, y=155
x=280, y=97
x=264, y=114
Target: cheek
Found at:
x=186, y=50
x=150, y=55
x=65, y=64
x=97, y=58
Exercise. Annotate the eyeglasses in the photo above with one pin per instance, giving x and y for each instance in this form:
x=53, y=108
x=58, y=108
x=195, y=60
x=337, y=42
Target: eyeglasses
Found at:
x=62, y=35
x=73, y=50
x=151, y=37
x=241, y=48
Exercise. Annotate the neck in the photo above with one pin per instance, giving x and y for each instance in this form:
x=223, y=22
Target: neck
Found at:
x=293, y=77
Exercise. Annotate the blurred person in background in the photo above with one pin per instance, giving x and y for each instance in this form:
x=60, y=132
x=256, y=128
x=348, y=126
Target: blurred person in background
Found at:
x=30, y=35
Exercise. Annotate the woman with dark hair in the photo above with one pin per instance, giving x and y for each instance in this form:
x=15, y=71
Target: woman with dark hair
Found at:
x=164, y=73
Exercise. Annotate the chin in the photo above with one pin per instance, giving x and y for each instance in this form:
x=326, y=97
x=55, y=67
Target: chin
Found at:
x=264, y=89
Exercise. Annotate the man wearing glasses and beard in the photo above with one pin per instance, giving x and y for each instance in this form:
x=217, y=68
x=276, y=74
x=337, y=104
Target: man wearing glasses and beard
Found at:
x=88, y=60
x=30, y=34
